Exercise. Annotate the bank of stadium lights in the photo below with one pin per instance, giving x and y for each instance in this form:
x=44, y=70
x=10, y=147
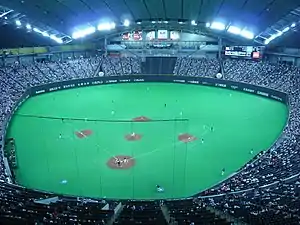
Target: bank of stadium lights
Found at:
x=286, y=29
x=247, y=34
x=234, y=30
x=106, y=26
x=230, y=29
x=126, y=23
x=279, y=33
x=46, y=34
x=18, y=23
x=273, y=37
x=54, y=38
x=91, y=29
x=218, y=26
x=28, y=26
x=37, y=30
x=194, y=23
x=84, y=32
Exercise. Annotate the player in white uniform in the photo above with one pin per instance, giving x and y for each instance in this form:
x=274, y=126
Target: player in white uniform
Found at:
x=159, y=189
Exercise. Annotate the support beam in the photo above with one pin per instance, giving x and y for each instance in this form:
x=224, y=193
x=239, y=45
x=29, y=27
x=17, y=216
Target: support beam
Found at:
x=220, y=44
x=6, y=13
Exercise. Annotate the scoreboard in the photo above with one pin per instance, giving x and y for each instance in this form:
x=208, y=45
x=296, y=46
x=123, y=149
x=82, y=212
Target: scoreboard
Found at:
x=247, y=52
x=154, y=35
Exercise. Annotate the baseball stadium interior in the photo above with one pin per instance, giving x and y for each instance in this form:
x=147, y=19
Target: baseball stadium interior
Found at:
x=156, y=112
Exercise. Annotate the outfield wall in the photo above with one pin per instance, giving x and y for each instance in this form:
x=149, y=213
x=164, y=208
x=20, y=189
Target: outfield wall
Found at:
x=248, y=88
x=262, y=91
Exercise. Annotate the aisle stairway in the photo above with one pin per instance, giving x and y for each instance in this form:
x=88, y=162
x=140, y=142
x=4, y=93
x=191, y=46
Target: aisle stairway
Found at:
x=186, y=212
x=141, y=213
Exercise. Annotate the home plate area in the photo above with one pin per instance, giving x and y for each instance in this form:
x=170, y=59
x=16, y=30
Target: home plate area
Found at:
x=83, y=133
x=121, y=162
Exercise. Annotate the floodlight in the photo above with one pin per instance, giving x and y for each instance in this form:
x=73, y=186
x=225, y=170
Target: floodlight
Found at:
x=45, y=34
x=267, y=41
x=234, y=30
x=278, y=34
x=193, y=22
x=83, y=33
x=53, y=37
x=58, y=40
x=139, y=22
x=126, y=23
x=89, y=30
x=286, y=29
x=18, y=23
x=247, y=34
x=106, y=26
x=207, y=24
x=112, y=25
x=28, y=26
x=293, y=25
x=76, y=35
x=37, y=30
x=153, y=21
x=218, y=26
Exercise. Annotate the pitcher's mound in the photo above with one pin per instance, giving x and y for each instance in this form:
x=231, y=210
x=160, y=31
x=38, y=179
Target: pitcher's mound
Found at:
x=141, y=119
x=186, y=138
x=83, y=133
x=133, y=137
x=121, y=162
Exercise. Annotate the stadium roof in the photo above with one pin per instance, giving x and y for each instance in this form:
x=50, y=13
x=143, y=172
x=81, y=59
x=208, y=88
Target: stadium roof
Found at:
x=63, y=16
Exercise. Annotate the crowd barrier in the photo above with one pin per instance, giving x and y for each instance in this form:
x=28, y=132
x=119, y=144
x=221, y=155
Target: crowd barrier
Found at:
x=248, y=88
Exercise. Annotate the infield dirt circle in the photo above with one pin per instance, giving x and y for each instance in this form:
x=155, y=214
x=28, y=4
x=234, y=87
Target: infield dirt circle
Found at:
x=186, y=138
x=141, y=119
x=133, y=137
x=121, y=162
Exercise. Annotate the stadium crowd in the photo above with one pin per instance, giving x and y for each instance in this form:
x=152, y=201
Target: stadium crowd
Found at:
x=261, y=189
x=278, y=204
x=187, y=66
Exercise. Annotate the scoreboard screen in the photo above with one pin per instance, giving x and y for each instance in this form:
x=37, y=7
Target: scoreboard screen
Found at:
x=247, y=52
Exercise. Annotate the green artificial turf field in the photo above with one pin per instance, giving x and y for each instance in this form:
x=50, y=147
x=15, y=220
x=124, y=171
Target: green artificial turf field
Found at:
x=240, y=122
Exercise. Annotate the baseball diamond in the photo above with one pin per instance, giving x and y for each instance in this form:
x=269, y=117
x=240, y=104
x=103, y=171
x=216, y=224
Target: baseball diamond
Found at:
x=178, y=136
